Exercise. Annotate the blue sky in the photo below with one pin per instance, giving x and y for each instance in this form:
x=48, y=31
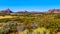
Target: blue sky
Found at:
x=29, y=5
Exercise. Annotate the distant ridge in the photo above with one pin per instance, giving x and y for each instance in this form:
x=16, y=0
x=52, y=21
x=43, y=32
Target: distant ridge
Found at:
x=49, y=11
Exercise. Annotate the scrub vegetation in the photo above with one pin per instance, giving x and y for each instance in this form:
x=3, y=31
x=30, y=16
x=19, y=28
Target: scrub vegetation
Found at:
x=27, y=23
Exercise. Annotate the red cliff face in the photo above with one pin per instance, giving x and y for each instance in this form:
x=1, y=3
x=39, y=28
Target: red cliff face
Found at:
x=6, y=11
x=54, y=11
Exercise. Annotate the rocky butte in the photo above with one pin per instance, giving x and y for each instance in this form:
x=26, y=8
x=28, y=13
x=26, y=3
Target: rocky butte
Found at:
x=7, y=11
x=54, y=11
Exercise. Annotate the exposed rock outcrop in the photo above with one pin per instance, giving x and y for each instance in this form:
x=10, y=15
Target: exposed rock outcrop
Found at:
x=7, y=11
x=54, y=11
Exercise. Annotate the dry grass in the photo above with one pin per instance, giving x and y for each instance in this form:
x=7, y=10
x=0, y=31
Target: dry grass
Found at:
x=1, y=17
